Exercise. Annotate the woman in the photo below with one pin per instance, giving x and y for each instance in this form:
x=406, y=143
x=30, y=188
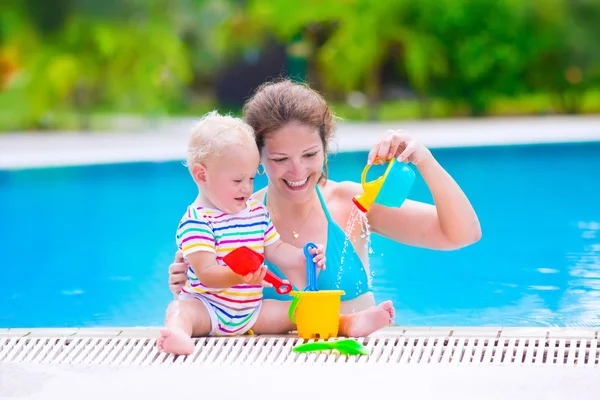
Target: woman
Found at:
x=293, y=126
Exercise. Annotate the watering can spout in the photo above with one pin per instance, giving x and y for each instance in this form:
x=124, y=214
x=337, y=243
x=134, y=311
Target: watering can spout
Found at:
x=358, y=202
x=390, y=189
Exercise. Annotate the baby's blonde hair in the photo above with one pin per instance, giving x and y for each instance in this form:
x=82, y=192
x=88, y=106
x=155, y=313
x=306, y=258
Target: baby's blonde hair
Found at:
x=214, y=133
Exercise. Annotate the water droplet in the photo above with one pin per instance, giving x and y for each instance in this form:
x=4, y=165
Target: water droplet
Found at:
x=357, y=229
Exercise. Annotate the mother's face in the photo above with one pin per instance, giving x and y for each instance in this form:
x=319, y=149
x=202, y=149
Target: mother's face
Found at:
x=293, y=159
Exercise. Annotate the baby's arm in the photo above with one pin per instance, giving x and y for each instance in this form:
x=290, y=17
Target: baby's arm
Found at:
x=197, y=242
x=210, y=273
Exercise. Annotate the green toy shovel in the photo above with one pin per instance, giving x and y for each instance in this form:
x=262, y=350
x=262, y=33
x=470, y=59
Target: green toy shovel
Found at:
x=345, y=346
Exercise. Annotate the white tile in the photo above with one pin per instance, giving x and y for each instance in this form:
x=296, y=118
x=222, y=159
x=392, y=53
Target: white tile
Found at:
x=476, y=332
x=288, y=336
x=423, y=331
x=388, y=334
x=441, y=330
x=148, y=332
x=389, y=331
x=98, y=332
x=572, y=333
x=16, y=332
x=524, y=332
x=53, y=332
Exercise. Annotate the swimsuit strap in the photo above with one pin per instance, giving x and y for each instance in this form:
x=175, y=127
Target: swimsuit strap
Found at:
x=324, y=206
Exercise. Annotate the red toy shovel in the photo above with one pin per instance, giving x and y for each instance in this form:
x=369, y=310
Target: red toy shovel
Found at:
x=244, y=260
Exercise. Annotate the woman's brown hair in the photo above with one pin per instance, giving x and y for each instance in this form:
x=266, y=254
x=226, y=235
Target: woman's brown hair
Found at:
x=279, y=103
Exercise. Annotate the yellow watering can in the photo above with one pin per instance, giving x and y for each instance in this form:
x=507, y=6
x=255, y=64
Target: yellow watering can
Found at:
x=390, y=189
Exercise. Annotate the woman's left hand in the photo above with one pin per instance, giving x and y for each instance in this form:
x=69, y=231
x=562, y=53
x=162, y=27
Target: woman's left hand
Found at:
x=401, y=146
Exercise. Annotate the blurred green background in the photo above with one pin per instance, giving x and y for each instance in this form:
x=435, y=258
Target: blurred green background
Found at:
x=82, y=64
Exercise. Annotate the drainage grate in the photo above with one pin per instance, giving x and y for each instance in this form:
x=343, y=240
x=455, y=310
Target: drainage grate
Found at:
x=270, y=350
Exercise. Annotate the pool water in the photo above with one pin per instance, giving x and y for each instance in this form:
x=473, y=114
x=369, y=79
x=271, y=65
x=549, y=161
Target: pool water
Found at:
x=90, y=246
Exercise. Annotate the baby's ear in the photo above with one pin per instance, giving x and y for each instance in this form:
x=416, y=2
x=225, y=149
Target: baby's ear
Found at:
x=199, y=173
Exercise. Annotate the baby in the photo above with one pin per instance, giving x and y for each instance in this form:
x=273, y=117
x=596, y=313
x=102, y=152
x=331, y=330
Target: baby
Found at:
x=223, y=159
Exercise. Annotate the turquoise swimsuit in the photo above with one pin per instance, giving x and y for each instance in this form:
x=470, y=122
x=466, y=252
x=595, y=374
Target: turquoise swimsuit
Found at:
x=351, y=277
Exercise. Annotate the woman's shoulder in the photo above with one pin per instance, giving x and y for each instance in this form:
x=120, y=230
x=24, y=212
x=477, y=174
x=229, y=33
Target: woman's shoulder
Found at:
x=338, y=198
x=340, y=191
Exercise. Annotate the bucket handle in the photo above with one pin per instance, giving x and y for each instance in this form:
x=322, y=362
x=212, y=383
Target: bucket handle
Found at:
x=293, y=306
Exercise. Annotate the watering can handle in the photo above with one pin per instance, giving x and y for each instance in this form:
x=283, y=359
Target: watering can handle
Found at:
x=366, y=169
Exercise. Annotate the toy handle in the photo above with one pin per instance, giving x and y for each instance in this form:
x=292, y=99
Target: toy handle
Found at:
x=293, y=306
x=364, y=173
x=311, y=268
x=281, y=286
x=366, y=169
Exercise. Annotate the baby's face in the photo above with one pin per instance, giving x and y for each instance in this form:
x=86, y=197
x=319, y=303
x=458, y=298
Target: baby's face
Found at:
x=230, y=178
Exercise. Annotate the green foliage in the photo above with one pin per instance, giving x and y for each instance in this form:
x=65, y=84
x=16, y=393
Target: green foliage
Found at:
x=160, y=56
x=463, y=50
x=138, y=65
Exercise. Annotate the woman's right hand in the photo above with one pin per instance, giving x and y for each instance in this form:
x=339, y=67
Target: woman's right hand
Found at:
x=177, y=273
x=399, y=145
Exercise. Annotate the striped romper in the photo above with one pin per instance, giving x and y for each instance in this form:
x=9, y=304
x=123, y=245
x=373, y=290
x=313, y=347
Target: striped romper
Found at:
x=234, y=310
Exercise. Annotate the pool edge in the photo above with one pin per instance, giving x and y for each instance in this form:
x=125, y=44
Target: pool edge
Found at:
x=392, y=331
x=58, y=149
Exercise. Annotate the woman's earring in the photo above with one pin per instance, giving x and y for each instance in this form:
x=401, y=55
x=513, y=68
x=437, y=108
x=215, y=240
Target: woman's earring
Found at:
x=258, y=170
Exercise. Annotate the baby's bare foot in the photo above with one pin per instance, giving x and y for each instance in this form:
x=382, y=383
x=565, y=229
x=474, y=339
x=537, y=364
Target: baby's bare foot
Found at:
x=365, y=322
x=175, y=341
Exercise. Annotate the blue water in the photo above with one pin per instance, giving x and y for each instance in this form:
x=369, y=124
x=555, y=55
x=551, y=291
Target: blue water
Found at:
x=90, y=246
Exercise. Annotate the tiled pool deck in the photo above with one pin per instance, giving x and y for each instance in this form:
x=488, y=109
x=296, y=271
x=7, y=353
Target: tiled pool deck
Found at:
x=423, y=363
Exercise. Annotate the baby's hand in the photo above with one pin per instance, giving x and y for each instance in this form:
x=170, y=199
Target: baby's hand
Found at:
x=257, y=277
x=319, y=258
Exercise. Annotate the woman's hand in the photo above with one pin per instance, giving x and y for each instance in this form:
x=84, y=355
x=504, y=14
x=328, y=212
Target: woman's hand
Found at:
x=177, y=273
x=401, y=146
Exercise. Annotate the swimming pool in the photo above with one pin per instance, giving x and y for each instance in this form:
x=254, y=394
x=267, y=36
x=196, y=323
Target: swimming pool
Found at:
x=89, y=246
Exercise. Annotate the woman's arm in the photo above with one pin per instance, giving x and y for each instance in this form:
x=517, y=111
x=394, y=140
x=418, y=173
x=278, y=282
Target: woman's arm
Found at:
x=177, y=274
x=449, y=224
